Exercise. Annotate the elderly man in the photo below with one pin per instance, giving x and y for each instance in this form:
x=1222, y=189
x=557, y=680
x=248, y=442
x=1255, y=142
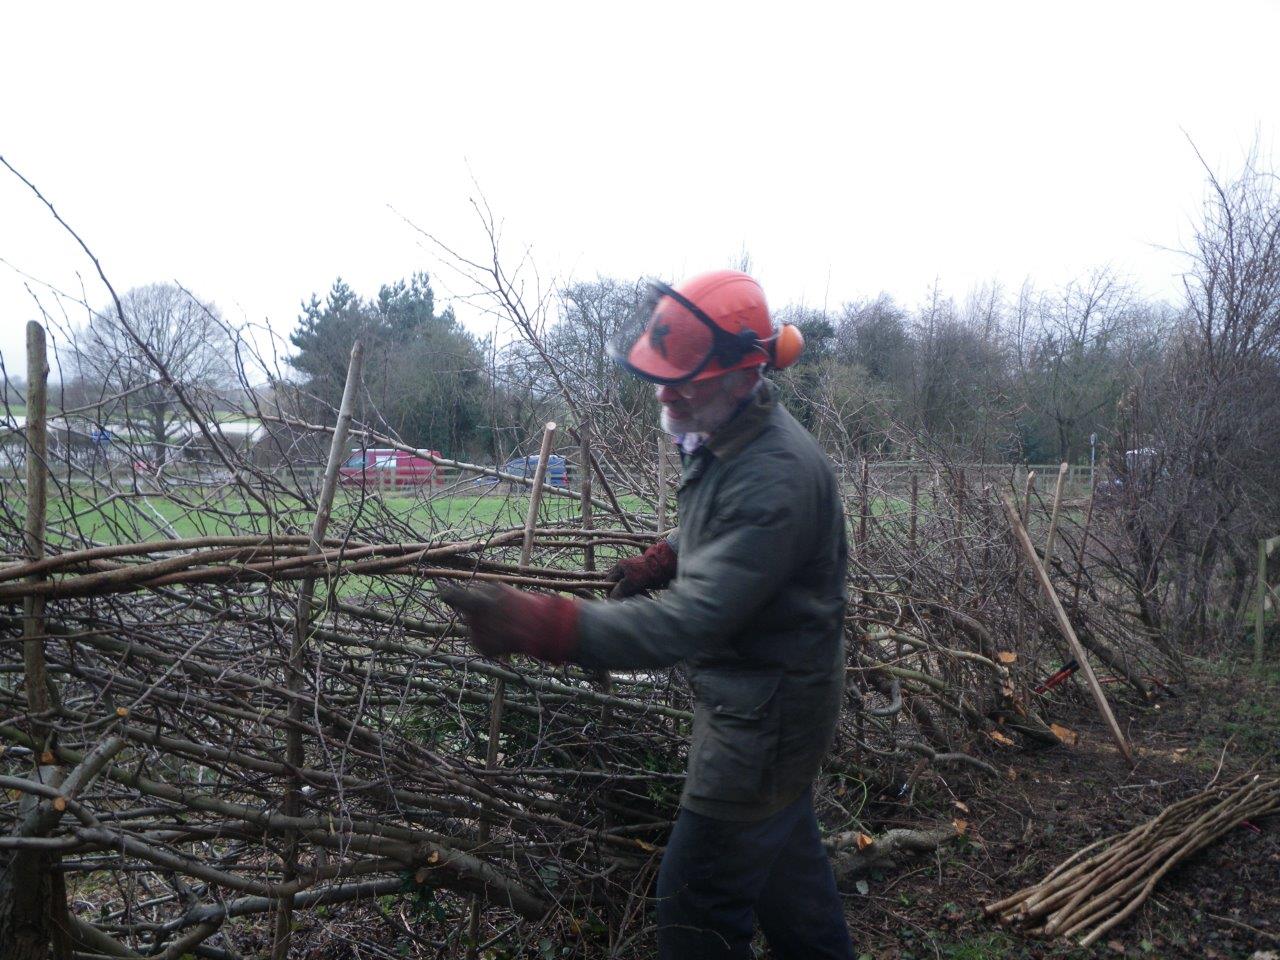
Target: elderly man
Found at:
x=754, y=608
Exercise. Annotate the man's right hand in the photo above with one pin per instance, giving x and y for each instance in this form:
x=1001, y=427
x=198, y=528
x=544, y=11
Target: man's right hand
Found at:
x=503, y=620
x=654, y=568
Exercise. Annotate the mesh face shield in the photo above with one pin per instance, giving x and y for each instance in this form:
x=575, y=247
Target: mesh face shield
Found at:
x=672, y=340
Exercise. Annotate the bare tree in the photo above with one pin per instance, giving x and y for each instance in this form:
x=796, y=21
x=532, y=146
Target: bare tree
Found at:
x=188, y=338
x=1196, y=453
x=1075, y=351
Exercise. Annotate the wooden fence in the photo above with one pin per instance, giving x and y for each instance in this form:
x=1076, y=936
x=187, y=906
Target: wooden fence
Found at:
x=894, y=476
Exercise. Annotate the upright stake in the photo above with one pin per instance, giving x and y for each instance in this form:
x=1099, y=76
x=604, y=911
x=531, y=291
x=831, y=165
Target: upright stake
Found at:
x=662, y=485
x=1064, y=624
x=911, y=527
x=37, y=676
x=535, y=493
x=1053, y=519
x=1084, y=543
x=589, y=550
x=499, y=685
x=33, y=897
x=1026, y=496
x=302, y=627
x=865, y=508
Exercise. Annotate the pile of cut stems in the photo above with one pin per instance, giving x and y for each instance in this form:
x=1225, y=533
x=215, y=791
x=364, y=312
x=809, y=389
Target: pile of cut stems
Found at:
x=1102, y=885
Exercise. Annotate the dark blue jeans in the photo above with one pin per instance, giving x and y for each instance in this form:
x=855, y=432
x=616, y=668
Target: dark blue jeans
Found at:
x=719, y=876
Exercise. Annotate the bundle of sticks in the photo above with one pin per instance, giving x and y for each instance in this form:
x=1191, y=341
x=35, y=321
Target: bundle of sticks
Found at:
x=1102, y=885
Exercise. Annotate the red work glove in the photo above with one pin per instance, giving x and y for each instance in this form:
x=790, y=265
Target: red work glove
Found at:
x=653, y=568
x=504, y=620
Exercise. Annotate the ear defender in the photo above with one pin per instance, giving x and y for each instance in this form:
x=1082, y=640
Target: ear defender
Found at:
x=785, y=348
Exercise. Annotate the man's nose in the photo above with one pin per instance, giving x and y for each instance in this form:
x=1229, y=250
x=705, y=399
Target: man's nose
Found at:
x=668, y=394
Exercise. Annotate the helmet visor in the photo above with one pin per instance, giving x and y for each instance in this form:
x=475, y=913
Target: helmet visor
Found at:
x=668, y=339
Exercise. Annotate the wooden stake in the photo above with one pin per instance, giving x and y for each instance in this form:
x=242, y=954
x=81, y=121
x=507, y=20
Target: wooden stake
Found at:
x=1084, y=543
x=913, y=519
x=37, y=676
x=292, y=806
x=589, y=551
x=866, y=505
x=535, y=494
x=1064, y=624
x=499, y=685
x=35, y=896
x=1053, y=519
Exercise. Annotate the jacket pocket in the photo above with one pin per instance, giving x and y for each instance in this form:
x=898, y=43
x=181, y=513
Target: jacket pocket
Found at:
x=735, y=748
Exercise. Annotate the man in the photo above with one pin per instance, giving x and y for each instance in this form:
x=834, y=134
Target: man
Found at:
x=754, y=608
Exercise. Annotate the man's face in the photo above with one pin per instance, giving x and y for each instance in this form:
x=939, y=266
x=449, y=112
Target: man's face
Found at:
x=702, y=406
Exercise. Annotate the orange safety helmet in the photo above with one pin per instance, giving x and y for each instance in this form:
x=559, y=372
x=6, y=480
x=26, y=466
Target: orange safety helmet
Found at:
x=711, y=324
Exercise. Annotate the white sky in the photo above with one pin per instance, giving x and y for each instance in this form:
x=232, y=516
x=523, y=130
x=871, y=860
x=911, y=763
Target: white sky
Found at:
x=250, y=151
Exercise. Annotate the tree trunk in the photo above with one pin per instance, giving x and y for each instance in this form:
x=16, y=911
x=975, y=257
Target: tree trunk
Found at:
x=33, y=904
x=157, y=435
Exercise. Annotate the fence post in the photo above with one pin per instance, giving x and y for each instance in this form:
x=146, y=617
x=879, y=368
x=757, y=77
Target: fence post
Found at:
x=292, y=806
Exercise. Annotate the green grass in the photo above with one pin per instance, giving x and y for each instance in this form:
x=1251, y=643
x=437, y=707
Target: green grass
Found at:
x=130, y=518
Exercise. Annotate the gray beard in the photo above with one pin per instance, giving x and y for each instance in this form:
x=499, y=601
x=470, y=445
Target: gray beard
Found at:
x=711, y=417
x=675, y=427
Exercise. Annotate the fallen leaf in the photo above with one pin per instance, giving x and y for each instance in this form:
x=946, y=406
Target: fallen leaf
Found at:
x=1065, y=734
x=999, y=738
x=959, y=806
x=863, y=841
x=59, y=803
x=122, y=712
x=961, y=826
x=646, y=847
x=1116, y=945
x=1007, y=656
x=863, y=887
x=46, y=758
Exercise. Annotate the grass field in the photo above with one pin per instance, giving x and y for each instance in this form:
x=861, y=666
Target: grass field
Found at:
x=403, y=515
x=128, y=517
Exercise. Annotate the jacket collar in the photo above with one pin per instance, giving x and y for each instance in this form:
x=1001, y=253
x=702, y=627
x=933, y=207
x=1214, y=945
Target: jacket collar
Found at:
x=745, y=425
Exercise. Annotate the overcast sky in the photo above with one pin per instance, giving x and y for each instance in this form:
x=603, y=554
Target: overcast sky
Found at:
x=254, y=152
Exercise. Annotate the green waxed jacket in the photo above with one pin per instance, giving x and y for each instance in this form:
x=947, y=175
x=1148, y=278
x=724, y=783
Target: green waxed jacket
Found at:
x=756, y=613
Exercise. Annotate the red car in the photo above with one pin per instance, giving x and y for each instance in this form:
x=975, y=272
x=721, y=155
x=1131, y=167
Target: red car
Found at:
x=380, y=466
